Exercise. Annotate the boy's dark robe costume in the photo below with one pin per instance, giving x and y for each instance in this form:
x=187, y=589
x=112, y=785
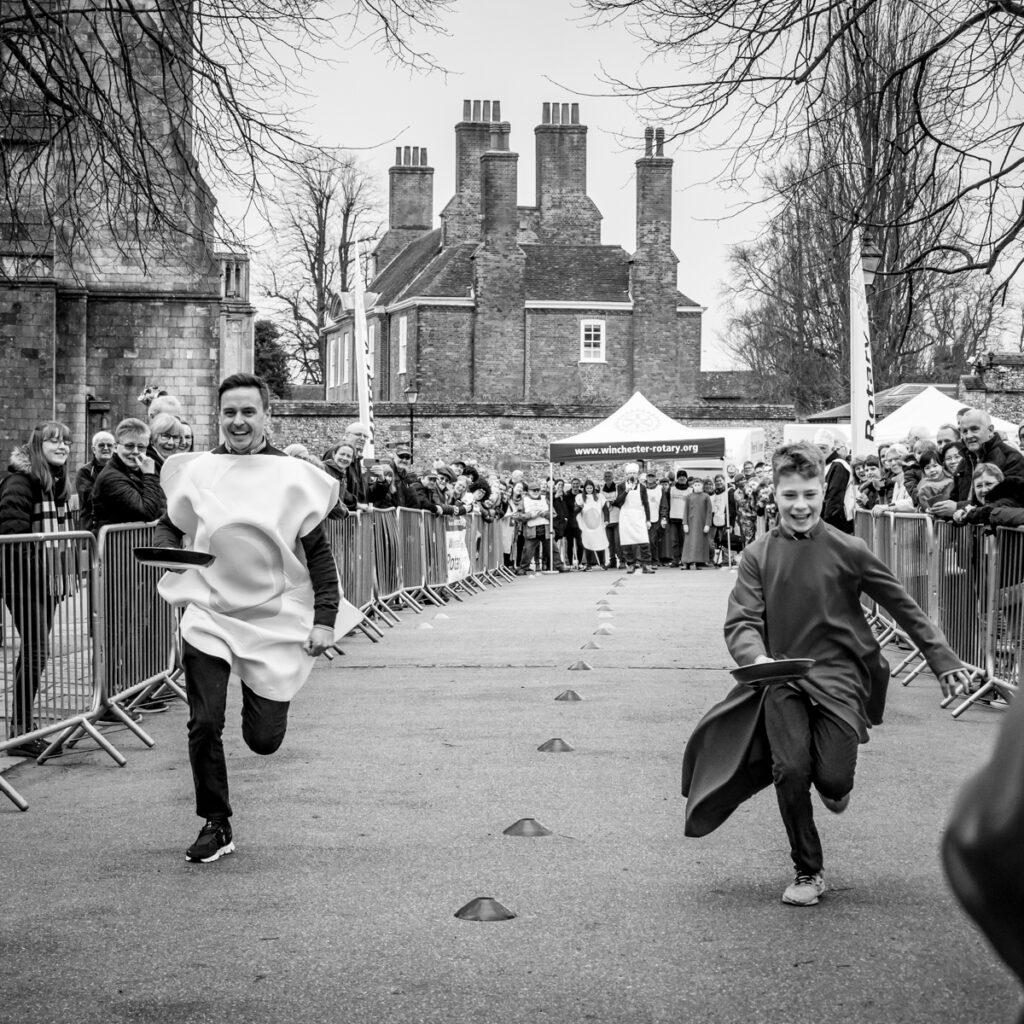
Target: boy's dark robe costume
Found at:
x=798, y=596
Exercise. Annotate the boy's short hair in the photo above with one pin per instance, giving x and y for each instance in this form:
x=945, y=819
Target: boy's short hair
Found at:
x=130, y=427
x=800, y=457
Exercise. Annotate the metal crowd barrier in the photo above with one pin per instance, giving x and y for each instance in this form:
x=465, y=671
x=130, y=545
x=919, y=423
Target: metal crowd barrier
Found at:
x=137, y=628
x=970, y=582
x=50, y=679
x=83, y=619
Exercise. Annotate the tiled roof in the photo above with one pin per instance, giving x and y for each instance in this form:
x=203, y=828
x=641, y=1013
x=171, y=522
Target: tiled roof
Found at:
x=554, y=273
x=577, y=273
x=886, y=402
x=391, y=281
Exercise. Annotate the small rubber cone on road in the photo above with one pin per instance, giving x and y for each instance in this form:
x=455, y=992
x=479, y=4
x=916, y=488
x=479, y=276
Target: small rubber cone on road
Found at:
x=441, y=615
x=619, y=583
x=568, y=695
x=555, y=746
x=591, y=645
x=483, y=908
x=528, y=827
x=424, y=625
x=604, y=606
x=604, y=630
x=579, y=666
x=606, y=615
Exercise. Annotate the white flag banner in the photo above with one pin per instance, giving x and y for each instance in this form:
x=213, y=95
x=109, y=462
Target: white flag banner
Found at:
x=364, y=363
x=862, y=379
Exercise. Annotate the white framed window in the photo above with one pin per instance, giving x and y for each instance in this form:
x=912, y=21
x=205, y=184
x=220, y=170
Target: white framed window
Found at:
x=346, y=356
x=403, y=342
x=592, y=341
x=332, y=362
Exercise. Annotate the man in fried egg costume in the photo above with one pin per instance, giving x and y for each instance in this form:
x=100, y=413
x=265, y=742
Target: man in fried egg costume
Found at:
x=264, y=608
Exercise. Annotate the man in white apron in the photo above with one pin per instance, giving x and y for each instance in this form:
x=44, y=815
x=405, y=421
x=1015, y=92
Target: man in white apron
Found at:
x=634, y=516
x=264, y=608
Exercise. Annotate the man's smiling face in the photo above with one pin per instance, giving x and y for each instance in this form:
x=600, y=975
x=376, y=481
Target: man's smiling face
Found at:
x=242, y=419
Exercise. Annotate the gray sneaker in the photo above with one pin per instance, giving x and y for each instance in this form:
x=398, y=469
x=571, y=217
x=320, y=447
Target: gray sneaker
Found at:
x=805, y=890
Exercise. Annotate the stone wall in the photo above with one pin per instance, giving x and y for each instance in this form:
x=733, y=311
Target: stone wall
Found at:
x=499, y=436
x=998, y=387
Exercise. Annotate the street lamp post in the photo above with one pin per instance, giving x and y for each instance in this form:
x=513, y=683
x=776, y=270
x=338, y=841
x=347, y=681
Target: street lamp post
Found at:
x=871, y=257
x=411, y=394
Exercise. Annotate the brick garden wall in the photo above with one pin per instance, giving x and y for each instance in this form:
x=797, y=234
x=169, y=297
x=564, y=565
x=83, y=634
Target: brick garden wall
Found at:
x=497, y=436
x=999, y=389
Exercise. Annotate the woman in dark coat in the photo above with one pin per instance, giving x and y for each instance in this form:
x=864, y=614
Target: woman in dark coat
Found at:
x=33, y=499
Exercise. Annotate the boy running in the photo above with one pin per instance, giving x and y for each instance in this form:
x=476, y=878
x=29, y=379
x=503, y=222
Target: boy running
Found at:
x=797, y=595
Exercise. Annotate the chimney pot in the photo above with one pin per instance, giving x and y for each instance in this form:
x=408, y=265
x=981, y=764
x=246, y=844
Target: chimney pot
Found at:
x=565, y=113
x=575, y=113
x=487, y=110
x=466, y=112
x=648, y=142
x=423, y=156
x=398, y=156
x=556, y=113
x=407, y=156
x=496, y=110
x=659, y=140
x=476, y=110
x=546, y=115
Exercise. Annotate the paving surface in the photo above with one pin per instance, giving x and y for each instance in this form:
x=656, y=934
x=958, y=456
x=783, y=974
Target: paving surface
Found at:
x=383, y=814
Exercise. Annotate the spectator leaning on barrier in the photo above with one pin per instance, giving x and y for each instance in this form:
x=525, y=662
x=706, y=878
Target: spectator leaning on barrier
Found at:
x=946, y=433
x=128, y=490
x=356, y=435
x=979, y=445
x=33, y=499
x=870, y=492
x=188, y=443
x=336, y=464
x=894, y=496
x=987, y=477
x=936, y=483
x=85, y=479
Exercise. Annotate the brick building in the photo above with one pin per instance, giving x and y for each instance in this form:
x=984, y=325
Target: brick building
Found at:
x=523, y=304
x=85, y=324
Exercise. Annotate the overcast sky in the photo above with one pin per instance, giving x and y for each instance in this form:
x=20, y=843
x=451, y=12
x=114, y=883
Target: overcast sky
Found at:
x=525, y=53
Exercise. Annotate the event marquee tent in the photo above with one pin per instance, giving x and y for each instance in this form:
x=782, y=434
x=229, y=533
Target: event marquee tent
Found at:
x=931, y=408
x=640, y=430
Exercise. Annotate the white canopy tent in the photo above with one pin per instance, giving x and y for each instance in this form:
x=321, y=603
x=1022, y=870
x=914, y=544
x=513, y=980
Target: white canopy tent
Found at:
x=639, y=430
x=930, y=408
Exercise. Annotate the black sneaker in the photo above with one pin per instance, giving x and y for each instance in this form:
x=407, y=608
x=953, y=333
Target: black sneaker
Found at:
x=212, y=843
x=29, y=748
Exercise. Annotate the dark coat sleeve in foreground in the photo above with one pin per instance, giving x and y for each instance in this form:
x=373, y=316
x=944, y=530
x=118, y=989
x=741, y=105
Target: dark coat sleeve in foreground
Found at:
x=983, y=848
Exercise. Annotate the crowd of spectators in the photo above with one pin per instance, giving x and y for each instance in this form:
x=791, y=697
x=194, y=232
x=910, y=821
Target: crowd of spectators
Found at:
x=963, y=472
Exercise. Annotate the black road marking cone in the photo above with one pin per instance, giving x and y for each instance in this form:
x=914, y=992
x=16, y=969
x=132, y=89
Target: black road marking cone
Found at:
x=590, y=645
x=604, y=630
x=555, y=746
x=579, y=666
x=568, y=695
x=483, y=908
x=529, y=827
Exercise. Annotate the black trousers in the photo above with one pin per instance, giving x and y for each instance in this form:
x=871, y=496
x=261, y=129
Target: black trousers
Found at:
x=32, y=612
x=264, y=723
x=809, y=746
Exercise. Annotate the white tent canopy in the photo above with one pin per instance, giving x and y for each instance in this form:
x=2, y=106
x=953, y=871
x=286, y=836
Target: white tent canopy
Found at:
x=930, y=408
x=639, y=430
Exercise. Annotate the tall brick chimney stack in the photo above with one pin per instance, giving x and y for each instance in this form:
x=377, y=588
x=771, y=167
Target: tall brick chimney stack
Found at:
x=410, y=202
x=654, y=193
x=499, y=279
x=567, y=215
x=460, y=219
x=499, y=168
x=657, y=366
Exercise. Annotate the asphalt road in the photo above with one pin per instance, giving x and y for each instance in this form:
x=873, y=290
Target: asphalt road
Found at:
x=383, y=814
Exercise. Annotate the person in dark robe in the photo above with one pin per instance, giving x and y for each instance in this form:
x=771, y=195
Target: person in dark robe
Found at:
x=797, y=595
